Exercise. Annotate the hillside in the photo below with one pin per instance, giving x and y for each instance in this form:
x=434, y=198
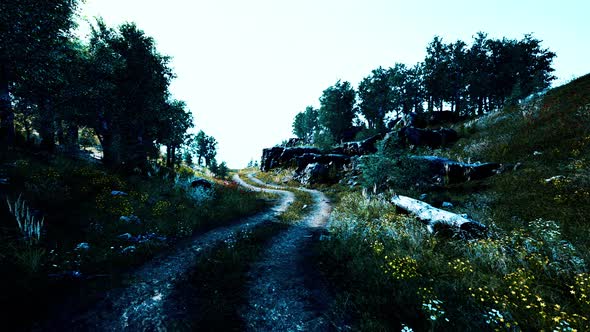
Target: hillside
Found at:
x=527, y=271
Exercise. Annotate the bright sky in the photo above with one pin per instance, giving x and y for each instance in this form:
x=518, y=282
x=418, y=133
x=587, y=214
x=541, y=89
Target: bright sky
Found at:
x=246, y=68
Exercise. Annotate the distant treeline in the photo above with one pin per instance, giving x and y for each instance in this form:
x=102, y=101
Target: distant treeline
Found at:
x=115, y=86
x=467, y=80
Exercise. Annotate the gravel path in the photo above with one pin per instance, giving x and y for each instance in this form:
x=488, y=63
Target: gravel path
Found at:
x=286, y=293
x=146, y=304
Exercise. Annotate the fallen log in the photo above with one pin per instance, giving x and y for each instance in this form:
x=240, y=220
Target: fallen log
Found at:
x=436, y=219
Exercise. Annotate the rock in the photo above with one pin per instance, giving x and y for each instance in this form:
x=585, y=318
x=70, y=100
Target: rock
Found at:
x=201, y=183
x=423, y=197
x=314, y=173
x=84, y=246
x=283, y=157
x=359, y=148
x=335, y=160
x=130, y=219
x=447, y=205
x=556, y=178
x=537, y=153
x=433, y=138
x=126, y=237
x=423, y=120
x=118, y=193
x=128, y=249
x=457, y=172
x=293, y=142
x=4, y=181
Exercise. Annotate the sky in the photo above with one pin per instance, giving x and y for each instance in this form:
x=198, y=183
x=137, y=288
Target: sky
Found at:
x=247, y=67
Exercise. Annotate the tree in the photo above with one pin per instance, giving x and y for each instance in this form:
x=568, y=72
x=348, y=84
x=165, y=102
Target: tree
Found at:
x=177, y=120
x=305, y=124
x=221, y=171
x=30, y=30
x=205, y=147
x=436, y=73
x=376, y=98
x=337, y=111
x=128, y=98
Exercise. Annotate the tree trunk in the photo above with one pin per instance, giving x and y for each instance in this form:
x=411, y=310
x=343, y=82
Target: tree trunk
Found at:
x=6, y=113
x=436, y=219
x=47, y=125
x=71, y=138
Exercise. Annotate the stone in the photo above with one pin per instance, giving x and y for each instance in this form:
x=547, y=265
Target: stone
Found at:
x=422, y=197
x=130, y=219
x=126, y=237
x=434, y=138
x=458, y=172
x=314, y=173
x=358, y=148
x=201, y=183
x=84, y=246
x=293, y=142
x=118, y=193
x=447, y=205
x=128, y=249
x=335, y=160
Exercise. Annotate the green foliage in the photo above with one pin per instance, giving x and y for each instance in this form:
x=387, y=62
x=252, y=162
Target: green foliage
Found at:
x=337, y=111
x=305, y=124
x=390, y=269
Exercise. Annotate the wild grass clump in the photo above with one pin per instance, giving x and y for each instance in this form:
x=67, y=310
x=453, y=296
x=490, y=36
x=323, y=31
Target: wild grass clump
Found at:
x=29, y=224
x=393, y=272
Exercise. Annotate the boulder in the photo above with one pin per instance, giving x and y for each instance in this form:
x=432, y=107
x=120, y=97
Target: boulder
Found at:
x=201, y=183
x=84, y=246
x=130, y=219
x=293, y=142
x=335, y=160
x=314, y=173
x=283, y=157
x=359, y=148
x=458, y=172
x=433, y=138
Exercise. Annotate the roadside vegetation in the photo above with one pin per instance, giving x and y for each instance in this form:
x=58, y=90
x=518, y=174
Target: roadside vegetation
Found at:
x=89, y=225
x=530, y=271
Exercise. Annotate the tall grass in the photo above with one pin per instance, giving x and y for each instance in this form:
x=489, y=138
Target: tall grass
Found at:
x=392, y=272
x=29, y=225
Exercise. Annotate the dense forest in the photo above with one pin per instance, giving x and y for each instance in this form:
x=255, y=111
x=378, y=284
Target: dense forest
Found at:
x=112, y=86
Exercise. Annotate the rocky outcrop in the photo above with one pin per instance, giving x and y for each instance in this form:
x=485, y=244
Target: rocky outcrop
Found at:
x=201, y=183
x=314, y=173
x=359, y=148
x=424, y=120
x=283, y=157
x=335, y=160
x=434, y=138
x=458, y=172
x=293, y=142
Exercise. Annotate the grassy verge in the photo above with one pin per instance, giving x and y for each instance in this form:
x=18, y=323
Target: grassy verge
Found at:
x=91, y=234
x=530, y=273
x=389, y=271
x=217, y=289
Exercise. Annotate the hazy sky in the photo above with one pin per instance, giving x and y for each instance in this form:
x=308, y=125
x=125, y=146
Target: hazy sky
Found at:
x=246, y=67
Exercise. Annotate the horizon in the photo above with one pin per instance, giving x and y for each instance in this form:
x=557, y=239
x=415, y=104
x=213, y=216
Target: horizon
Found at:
x=265, y=62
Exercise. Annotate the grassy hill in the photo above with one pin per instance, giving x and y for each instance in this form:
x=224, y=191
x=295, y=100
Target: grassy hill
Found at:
x=530, y=271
